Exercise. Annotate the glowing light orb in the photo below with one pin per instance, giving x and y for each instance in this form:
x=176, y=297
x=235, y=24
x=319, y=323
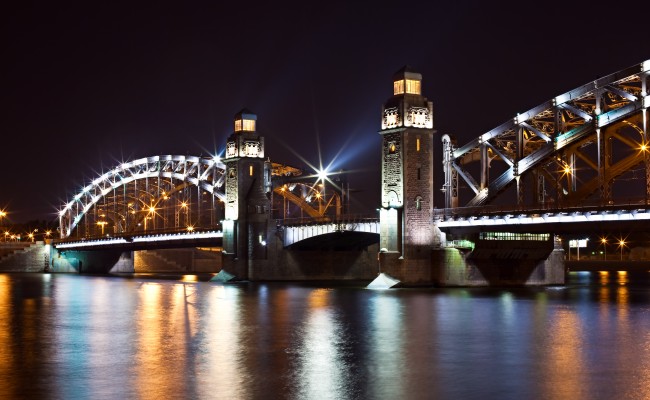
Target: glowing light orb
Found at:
x=322, y=174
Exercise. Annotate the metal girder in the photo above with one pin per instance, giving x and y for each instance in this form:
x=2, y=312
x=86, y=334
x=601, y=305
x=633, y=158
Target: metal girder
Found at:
x=498, y=153
x=466, y=177
x=552, y=128
x=621, y=93
x=536, y=131
x=577, y=111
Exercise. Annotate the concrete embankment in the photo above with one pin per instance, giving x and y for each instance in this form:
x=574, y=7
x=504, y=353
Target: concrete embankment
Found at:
x=24, y=256
x=178, y=260
x=36, y=257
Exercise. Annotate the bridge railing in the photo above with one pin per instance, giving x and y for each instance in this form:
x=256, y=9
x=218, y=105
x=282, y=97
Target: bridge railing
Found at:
x=343, y=219
x=129, y=235
x=588, y=206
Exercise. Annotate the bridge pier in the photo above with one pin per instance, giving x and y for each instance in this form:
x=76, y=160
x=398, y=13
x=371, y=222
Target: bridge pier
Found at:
x=455, y=267
x=519, y=260
x=516, y=262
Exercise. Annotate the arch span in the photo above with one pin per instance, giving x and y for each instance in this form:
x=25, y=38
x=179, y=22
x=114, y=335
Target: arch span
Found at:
x=343, y=229
x=574, y=148
x=159, y=192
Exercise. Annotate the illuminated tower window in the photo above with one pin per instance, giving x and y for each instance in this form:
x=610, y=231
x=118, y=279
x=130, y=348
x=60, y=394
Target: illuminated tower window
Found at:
x=250, y=170
x=417, y=144
x=413, y=86
x=245, y=121
x=407, y=81
x=245, y=125
x=398, y=87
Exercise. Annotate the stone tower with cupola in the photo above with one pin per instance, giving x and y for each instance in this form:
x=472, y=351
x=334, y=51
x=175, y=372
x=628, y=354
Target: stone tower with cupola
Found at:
x=247, y=204
x=406, y=214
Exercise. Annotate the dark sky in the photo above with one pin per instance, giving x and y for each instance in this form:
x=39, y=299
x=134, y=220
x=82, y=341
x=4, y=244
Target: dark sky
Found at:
x=84, y=87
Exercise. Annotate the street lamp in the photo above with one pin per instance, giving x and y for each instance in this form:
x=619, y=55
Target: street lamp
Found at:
x=603, y=240
x=185, y=208
x=644, y=149
x=621, y=244
x=102, y=224
x=151, y=211
x=3, y=214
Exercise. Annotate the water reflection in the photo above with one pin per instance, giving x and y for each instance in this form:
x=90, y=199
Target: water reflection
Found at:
x=218, y=361
x=322, y=371
x=564, y=368
x=6, y=345
x=65, y=336
x=385, y=347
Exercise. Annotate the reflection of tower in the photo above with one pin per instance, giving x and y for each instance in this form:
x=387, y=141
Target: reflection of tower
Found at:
x=247, y=196
x=407, y=169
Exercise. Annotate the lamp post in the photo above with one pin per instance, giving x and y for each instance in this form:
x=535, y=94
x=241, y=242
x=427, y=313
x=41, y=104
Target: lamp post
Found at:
x=621, y=244
x=644, y=149
x=604, y=242
x=102, y=224
x=3, y=214
x=151, y=212
x=186, y=209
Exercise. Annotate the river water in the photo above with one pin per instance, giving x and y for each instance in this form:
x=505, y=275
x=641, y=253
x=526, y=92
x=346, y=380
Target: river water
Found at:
x=153, y=337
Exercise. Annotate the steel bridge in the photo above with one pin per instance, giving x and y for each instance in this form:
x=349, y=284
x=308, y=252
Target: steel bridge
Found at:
x=173, y=194
x=588, y=145
x=582, y=155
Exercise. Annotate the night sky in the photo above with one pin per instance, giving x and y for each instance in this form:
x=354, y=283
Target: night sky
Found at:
x=86, y=87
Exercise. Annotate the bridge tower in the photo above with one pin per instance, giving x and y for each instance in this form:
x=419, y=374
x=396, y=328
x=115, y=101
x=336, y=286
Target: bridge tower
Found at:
x=247, y=208
x=406, y=214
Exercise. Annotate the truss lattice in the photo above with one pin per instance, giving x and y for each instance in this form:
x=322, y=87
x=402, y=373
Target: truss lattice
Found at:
x=167, y=192
x=572, y=149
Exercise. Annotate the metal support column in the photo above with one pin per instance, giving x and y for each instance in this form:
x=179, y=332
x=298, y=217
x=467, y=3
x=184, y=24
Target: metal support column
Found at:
x=485, y=165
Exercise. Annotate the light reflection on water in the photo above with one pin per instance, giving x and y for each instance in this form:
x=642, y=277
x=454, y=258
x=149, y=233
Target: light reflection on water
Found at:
x=68, y=336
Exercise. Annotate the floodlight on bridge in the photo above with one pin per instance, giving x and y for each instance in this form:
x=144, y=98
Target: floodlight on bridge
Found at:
x=322, y=174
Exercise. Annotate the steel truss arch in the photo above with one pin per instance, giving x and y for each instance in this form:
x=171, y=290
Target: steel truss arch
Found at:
x=311, y=199
x=545, y=143
x=162, y=177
